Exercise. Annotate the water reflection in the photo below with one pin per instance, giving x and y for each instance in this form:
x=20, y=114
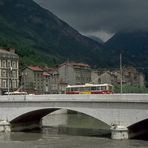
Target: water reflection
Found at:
x=20, y=136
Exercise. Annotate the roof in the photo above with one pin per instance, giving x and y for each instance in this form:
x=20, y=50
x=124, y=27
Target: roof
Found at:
x=5, y=52
x=49, y=70
x=35, y=68
x=75, y=64
x=81, y=64
x=46, y=74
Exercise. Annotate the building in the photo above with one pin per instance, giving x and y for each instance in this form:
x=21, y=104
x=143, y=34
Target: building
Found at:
x=101, y=78
x=74, y=73
x=53, y=80
x=9, y=70
x=34, y=80
x=41, y=80
x=130, y=76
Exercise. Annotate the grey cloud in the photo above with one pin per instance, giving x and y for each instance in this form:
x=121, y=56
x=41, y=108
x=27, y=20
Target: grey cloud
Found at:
x=94, y=15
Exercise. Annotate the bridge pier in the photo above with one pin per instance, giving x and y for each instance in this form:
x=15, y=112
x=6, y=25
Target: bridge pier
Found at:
x=5, y=126
x=119, y=132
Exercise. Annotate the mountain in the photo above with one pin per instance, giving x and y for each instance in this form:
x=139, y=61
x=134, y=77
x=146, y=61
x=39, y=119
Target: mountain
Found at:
x=132, y=45
x=40, y=37
x=96, y=39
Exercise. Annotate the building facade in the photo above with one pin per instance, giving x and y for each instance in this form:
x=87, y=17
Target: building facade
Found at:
x=74, y=73
x=34, y=80
x=130, y=76
x=41, y=80
x=9, y=70
x=53, y=80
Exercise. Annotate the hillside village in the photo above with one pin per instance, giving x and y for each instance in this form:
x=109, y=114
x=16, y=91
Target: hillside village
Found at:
x=53, y=80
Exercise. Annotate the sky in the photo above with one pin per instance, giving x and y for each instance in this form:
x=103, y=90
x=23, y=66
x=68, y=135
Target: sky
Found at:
x=101, y=18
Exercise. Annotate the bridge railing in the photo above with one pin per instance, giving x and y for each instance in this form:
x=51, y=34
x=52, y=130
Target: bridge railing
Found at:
x=83, y=98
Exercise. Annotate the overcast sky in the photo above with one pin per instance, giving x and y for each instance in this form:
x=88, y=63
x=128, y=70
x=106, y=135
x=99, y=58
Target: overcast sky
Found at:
x=101, y=17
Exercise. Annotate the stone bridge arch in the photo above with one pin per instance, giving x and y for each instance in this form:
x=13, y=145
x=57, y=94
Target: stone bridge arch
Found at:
x=26, y=119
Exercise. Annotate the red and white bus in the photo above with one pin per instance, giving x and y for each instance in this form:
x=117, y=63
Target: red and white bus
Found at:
x=90, y=89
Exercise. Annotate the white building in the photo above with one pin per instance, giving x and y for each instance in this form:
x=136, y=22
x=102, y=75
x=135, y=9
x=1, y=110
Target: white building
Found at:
x=9, y=70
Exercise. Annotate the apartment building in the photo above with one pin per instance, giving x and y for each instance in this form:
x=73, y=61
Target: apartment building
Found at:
x=53, y=80
x=41, y=80
x=130, y=76
x=34, y=80
x=9, y=70
x=74, y=73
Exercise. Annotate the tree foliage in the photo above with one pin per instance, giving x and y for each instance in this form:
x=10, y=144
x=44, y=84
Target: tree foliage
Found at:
x=130, y=89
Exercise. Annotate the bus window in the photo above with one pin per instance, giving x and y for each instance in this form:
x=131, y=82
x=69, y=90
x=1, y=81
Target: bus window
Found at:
x=81, y=89
x=98, y=88
x=110, y=88
x=76, y=89
x=93, y=88
x=103, y=87
x=87, y=88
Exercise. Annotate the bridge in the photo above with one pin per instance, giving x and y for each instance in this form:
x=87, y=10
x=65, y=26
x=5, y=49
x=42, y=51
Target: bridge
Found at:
x=126, y=114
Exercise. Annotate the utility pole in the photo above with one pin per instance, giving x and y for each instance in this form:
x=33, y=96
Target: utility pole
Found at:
x=121, y=73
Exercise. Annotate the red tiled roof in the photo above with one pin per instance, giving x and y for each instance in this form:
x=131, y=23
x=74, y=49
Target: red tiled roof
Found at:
x=49, y=70
x=35, y=68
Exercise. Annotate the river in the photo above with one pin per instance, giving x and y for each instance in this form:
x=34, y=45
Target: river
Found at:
x=68, y=131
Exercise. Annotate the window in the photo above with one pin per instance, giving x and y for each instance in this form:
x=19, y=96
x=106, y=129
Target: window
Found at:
x=110, y=88
x=98, y=88
x=87, y=88
x=13, y=84
x=4, y=83
x=93, y=88
x=14, y=65
x=82, y=88
x=75, y=89
x=103, y=87
x=3, y=73
x=14, y=74
x=3, y=63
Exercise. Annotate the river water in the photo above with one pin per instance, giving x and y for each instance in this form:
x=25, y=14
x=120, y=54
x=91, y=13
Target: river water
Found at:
x=68, y=131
